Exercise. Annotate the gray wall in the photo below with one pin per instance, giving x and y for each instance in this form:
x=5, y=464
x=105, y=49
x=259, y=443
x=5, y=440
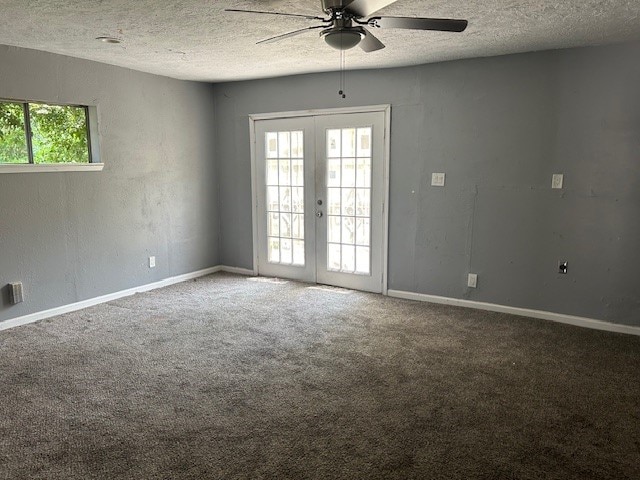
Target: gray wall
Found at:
x=499, y=127
x=73, y=236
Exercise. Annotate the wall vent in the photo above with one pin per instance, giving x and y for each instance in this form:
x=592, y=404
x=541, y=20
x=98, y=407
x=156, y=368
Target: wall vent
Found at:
x=15, y=293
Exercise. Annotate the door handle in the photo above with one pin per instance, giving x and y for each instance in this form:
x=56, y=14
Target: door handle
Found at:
x=319, y=214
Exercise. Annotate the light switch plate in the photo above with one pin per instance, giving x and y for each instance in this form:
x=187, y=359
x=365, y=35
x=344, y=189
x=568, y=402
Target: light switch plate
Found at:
x=437, y=179
x=472, y=280
x=557, y=180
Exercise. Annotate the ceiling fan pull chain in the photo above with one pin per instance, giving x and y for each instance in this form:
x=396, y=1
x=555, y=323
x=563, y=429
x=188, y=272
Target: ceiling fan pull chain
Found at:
x=342, y=75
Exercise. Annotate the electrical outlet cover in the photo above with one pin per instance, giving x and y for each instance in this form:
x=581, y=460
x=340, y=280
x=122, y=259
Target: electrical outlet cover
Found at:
x=472, y=280
x=437, y=179
x=557, y=180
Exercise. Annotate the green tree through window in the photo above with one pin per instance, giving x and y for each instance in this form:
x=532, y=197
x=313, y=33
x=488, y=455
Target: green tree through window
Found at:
x=13, y=139
x=58, y=133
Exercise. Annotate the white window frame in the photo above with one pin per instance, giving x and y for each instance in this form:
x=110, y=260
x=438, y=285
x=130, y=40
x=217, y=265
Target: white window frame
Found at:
x=94, y=164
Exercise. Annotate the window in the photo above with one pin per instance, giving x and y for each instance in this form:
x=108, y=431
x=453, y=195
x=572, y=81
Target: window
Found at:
x=37, y=136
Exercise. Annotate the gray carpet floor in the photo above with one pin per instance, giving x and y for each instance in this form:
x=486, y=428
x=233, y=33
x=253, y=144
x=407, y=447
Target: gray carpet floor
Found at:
x=231, y=378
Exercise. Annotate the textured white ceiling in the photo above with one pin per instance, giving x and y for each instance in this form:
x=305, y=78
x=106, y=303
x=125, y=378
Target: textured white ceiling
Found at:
x=196, y=40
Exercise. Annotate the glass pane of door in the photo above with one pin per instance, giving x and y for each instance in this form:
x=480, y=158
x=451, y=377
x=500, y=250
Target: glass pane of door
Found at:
x=349, y=200
x=284, y=164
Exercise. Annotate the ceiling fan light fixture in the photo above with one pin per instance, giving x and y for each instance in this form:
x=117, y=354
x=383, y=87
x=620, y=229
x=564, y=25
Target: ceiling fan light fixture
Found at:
x=343, y=38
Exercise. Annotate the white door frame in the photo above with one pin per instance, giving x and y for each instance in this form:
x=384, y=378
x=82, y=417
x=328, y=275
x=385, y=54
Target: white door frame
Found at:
x=386, y=109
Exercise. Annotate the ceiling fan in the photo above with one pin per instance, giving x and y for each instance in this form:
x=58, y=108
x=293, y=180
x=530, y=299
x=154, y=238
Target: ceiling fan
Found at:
x=344, y=26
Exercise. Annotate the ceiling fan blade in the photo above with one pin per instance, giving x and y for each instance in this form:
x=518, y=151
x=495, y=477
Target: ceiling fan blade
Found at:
x=370, y=42
x=290, y=34
x=308, y=17
x=438, y=24
x=364, y=8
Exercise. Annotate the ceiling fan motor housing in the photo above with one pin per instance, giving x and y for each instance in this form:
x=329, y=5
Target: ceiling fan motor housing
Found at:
x=330, y=5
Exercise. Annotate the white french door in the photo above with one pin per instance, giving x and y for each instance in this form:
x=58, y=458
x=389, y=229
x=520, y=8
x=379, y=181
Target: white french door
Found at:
x=285, y=175
x=319, y=184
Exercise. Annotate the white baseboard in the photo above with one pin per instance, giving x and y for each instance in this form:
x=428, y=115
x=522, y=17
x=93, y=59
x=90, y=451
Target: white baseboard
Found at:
x=525, y=312
x=34, y=317
x=238, y=270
